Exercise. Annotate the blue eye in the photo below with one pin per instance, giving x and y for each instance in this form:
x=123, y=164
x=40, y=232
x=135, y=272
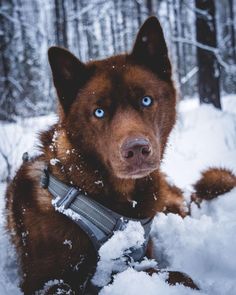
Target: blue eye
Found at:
x=146, y=101
x=99, y=113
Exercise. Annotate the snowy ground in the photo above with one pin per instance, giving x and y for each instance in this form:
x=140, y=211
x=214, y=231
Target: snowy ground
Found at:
x=203, y=246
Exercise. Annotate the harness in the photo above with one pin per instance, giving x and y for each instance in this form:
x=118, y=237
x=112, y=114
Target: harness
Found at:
x=96, y=220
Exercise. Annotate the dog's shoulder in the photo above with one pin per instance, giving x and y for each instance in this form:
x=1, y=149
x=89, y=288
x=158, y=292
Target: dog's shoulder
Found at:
x=25, y=188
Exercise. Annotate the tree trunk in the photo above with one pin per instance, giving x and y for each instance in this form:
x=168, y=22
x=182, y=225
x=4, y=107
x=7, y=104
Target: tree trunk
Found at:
x=61, y=27
x=208, y=74
x=149, y=7
x=178, y=45
x=232, y=28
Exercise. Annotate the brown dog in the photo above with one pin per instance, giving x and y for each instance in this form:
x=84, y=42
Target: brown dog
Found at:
x=115, y=116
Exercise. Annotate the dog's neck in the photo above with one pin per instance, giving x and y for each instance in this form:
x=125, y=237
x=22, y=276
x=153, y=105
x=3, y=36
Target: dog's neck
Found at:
x=132, y=197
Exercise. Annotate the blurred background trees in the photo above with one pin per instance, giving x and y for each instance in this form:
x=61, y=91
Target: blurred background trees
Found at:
x=200, y=33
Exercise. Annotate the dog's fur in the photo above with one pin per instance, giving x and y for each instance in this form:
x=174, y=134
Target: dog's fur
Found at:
x=89, y=152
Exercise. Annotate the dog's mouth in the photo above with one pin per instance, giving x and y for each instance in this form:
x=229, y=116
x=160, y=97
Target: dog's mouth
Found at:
x=136, y=172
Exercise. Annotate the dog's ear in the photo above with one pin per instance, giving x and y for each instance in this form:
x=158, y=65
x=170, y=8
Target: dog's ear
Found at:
x=69, y=74
x=150, y=49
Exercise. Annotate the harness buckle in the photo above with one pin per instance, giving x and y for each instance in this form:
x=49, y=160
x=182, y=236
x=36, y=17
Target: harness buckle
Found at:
x=68, y=198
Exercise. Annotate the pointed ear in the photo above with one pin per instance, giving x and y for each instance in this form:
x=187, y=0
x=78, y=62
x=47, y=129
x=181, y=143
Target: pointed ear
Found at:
x=150, y=49
x=69, y=74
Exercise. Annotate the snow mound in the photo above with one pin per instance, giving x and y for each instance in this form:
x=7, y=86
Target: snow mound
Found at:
x=203, y=245
x=112, y=253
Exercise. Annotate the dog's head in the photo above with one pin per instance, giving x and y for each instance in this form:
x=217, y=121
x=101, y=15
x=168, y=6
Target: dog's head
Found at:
x=121, y=109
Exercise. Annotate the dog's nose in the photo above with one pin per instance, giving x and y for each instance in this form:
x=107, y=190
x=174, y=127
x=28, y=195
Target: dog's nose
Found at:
x=135, y=148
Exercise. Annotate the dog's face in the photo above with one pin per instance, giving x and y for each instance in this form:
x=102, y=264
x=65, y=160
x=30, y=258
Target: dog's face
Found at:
x=121, y=109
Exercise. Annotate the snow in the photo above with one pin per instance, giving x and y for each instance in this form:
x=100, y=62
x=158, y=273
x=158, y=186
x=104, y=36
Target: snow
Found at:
x=203, y=137
x=51, y=283
x=66, y=211
x=54, y=161
x=203, y=245
x=17, y=138
x=8, y=267
x=112, y=253
x=69, y=243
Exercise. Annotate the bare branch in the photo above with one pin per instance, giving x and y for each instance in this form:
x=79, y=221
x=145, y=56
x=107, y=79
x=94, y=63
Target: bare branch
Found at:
x=228, y=67
x=189, y=75
x=201, y=12
x=11, y=19
x=13, y=81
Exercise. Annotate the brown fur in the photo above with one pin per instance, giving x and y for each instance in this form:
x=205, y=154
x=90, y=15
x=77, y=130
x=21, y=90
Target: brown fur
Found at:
x=89, y=154
x=213, y=182
x=176, y=277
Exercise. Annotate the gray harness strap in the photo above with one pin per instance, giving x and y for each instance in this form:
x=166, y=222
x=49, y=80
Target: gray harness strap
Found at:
x=98, y=222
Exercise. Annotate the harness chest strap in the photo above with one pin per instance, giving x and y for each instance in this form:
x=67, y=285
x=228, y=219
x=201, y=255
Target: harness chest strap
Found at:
x=98, y=222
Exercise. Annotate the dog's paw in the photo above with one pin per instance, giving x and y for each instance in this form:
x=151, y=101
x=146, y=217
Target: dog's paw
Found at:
x=176, y=277
x=214, y=182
